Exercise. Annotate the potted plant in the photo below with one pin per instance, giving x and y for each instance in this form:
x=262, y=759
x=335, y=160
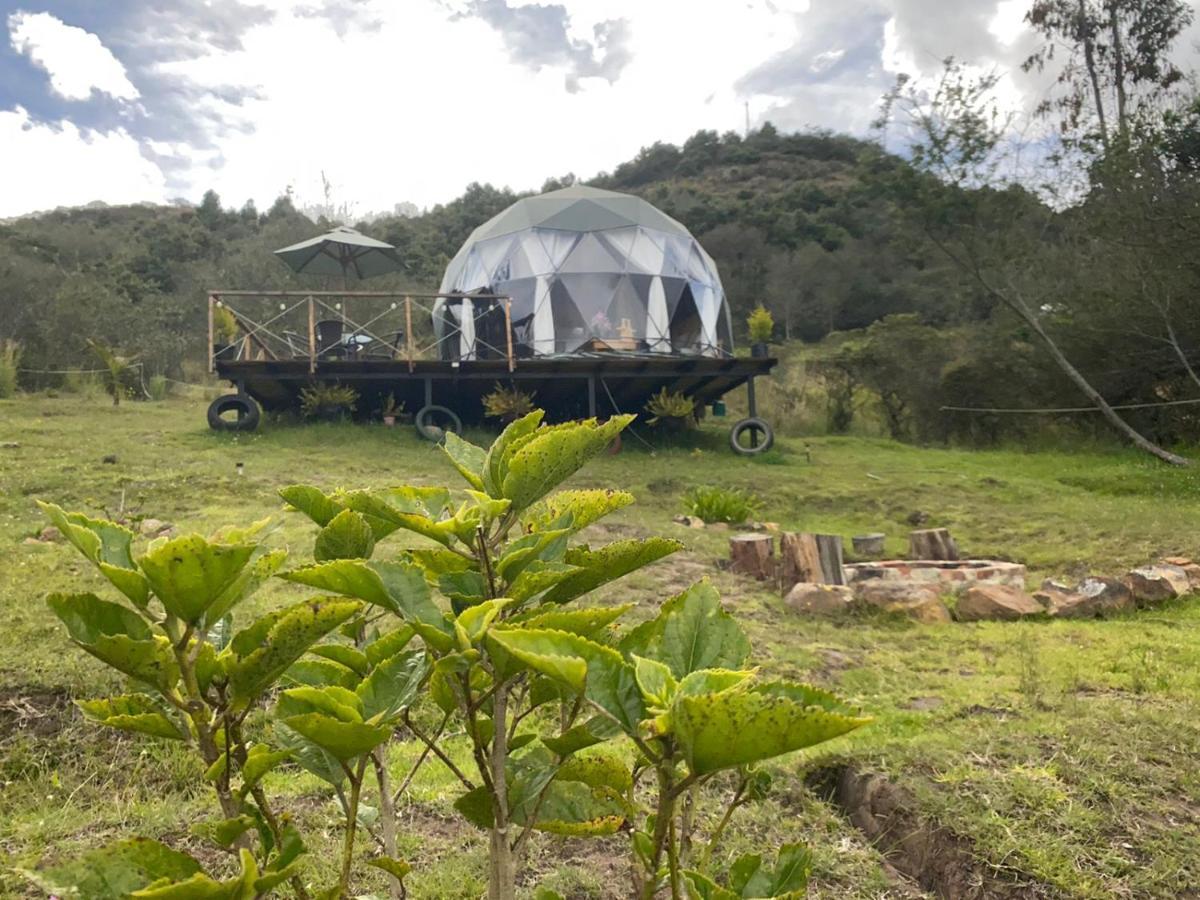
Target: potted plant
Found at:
x=328, y=402
x=390, y=410
x=507, y=404
x=225, y=329
x=761, y=325
x=672, y=410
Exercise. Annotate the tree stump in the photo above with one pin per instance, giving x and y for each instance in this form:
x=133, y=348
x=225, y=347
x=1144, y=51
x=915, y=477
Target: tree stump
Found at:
x=931, y=543
x=813, y=558
x=868, y=545
x=753, y=555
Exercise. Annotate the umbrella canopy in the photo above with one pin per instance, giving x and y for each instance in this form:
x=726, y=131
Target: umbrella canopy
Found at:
x=344, y=252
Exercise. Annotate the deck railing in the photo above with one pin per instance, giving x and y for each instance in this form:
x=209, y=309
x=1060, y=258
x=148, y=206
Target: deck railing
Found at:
x=333, y=325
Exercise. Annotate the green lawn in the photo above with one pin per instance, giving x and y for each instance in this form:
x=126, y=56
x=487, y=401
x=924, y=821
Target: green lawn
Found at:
x=1063, y=751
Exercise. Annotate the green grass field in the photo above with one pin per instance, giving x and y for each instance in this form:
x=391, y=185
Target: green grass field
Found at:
x=1063, y=752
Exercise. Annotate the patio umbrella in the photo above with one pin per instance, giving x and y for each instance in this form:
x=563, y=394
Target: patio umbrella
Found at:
x=342, y=251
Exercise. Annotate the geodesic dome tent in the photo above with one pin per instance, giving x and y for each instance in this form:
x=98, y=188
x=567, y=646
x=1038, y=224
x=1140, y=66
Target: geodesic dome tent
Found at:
x=586, y=269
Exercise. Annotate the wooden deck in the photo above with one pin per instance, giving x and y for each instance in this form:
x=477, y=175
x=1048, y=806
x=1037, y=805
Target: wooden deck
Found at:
x=566, y=386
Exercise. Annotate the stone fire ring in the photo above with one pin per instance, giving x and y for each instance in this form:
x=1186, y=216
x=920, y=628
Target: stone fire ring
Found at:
x=951, y=575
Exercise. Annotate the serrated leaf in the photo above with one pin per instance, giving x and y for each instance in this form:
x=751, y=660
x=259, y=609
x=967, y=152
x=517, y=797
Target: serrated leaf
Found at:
x=413, y=509
x=311, y=501
x=107, y=545
x=583, y=508
x=655, y=681
x=472, y=623
x=495, y=465
x=318, y=672
x=309, y=756
x=202, y=887
x=438, y=561
x=132, y=712
x=544, y=546
x=258, y=655
x=393, y=685
x=388, y=644
x=594, y=731
x=607, y=564
x=115, y=871
x=260, y=760
x=553, y=456
x=118, y=637
x=223, y=832
x=396, y=587
x=736, y=727
x=397, y=868
x=188, y=574
x=701, y=887
x=342, y=740
x=347, y=536
x=597, y=671
x=467, y=458
x=591, y=623
x=248, y=581
x=691, y=632
x=352, y=659
x=538, y=577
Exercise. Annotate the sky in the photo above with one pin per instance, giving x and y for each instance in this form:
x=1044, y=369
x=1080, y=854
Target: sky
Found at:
x=409, y=101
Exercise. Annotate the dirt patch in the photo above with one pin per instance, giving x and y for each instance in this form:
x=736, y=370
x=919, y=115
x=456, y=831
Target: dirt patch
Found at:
x=39, y=712
x=938, y=860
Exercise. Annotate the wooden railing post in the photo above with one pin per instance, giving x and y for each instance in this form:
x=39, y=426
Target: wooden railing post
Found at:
x=512, y=363
x=312, y=336
x=212, y=360
x=408, y=335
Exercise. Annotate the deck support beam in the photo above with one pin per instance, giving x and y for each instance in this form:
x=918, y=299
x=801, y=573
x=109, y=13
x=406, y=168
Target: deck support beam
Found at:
x=591, y=383
x=751, y=400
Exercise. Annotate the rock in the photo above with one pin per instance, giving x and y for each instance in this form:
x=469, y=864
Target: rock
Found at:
x=1154, y=584
x=10, y=445
x=719, y=526
x=868, y=545
x=31, y=540
x=770, y=526
x=1192, y=570
x=819, y=599
x=50, y=534
x=154, y=527
x=1182, y=561
x=916, y=517
x=999, y=602
x=1094, y=597
x=917, y=601
x=110, y=460
x=689, y=521
x=924, y=704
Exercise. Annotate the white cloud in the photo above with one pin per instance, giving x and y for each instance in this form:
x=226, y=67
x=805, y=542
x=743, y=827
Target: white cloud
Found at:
x=1009, y=21
x=45, y=167
x=76, y=60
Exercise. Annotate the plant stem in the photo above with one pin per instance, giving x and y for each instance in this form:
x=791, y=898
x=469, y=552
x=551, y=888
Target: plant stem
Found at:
x=412, y=773
x=662, y=824
x=387, y=814
x=502, y=871
x=430, y=744
x=356, y=783
x=706, y=857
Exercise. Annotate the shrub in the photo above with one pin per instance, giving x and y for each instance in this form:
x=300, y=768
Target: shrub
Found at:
x=761, y=325
x=328, y=400
x=672, y=409
x=158, y=387
x=390, y=407
x=225, y=325
x=10, y=363
x=715, y=504
x=507, y=404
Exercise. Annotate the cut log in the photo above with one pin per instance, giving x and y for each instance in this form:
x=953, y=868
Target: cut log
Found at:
x=813, y=558
x=931, y=543
x=753, y=555
x=868, y=545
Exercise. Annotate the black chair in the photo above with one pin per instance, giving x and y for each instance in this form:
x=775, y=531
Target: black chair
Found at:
x=329, y=338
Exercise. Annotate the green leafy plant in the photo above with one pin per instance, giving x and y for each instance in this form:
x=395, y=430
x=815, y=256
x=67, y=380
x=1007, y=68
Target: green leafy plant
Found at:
x=539, y=684
x=390, y=408
x=10, y=364
x=121, y=372
x=157, y=387
x=507, y=403
x=716, y=504
x=328, y=401
x=671, y=409
x=760, y=324
x=193, y=680
x=225, y=325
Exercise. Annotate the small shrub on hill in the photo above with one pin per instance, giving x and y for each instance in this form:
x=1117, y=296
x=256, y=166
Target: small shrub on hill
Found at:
x=715, y=504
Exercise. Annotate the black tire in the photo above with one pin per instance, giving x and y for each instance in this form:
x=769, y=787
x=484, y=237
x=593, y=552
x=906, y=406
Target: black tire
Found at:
x=248, y=413
x=432, y=422
x=753, y=425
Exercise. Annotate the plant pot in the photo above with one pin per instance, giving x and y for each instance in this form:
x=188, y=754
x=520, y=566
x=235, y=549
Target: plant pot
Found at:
x=389, y=421
x=329, y=413
x=760, y=350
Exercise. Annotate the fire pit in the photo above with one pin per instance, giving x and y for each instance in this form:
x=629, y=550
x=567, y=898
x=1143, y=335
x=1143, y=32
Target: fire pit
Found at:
x=952, y=575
